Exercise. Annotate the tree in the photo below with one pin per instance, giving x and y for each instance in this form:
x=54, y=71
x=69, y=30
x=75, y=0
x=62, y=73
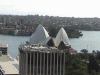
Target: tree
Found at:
x=93, y=64
x=52, y=31
x=84, y=51
x=77, y=72
x=75, y=63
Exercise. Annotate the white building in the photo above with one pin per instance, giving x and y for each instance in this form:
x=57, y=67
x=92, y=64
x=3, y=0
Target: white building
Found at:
x=62, y=38
x=43, y=58
x=40, y=35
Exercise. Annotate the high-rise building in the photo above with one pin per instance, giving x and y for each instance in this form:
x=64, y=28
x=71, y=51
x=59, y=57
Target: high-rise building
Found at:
x=40, y=56
x=41, y=61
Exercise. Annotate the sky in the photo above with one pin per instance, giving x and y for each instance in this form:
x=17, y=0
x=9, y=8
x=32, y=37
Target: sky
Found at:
x=63, y=8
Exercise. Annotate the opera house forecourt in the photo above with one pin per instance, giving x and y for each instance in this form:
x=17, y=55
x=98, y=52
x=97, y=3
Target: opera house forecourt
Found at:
x=43, y=55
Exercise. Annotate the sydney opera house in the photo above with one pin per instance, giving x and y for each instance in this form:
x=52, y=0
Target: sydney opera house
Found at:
x=42, y=54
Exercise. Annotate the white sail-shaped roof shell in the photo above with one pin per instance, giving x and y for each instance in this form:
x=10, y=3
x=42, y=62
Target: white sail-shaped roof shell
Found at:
x=46, y=41
x=39, y=35
x=62, y=36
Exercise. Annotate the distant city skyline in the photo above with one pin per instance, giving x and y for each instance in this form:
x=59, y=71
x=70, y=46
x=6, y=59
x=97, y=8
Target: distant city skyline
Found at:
x=63, y=8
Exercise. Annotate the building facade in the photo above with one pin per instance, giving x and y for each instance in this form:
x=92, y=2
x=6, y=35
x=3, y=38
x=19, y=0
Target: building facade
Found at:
x=41, y=62
x=42, y=55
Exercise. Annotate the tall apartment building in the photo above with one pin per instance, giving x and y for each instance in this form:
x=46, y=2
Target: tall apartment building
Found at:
x=42, y=55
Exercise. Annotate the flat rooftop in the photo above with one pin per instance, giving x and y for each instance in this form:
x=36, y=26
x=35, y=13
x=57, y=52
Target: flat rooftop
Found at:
x=3, y=45
x=35, y=48
x=5, y=58
x=9, y=65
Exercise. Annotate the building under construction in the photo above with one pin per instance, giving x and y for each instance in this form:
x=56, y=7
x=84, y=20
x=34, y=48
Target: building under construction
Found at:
x=42, y=55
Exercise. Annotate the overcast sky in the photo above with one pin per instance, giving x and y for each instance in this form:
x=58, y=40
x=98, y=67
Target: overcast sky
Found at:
x=67, y=8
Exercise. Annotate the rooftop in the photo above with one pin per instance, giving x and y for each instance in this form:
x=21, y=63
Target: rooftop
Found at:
x=39, y=48
x=3, y=45
x=40, y=41
x=39, y=35
x=8, y=65
x=5, y=58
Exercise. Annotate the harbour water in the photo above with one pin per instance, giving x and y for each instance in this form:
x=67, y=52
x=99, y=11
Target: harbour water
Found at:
x=13, y=43
x=90, y=41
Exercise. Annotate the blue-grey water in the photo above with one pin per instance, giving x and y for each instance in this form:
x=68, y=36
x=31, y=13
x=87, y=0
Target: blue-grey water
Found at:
x=90, y=40
x=13, y=43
